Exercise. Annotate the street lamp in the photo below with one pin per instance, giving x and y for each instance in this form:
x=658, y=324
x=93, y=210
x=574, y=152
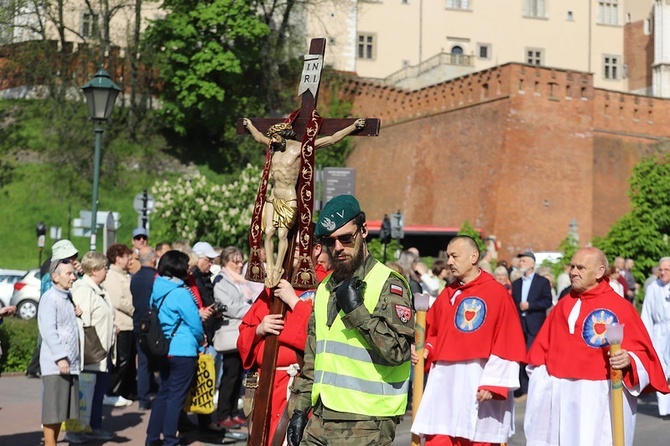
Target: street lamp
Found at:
x=101, y=93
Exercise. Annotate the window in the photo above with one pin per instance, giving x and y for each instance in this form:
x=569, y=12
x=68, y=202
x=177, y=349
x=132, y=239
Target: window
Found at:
x=456, y=50
x=534, y=8
x=366, y=46
x=484, y=50
x=608, y=12
x=534, y=56
x=90, y=25
x=611, y=67
x=648, y=27
x=458, y=4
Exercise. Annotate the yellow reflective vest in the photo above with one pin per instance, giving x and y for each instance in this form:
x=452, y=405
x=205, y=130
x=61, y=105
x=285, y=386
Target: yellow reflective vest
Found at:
x=348, y=375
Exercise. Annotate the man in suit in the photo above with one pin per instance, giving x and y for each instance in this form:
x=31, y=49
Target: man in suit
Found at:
x=532, y=295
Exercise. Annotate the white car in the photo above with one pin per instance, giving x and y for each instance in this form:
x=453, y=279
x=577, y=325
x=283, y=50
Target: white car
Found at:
x=8, y=277
x=26, y=294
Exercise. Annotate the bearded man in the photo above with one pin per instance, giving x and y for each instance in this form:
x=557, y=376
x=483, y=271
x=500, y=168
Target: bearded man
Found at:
x=357, y=357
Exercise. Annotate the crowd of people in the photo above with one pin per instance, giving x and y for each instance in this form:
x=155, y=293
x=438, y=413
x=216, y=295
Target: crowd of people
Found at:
x=99, y=303
x=495, y=335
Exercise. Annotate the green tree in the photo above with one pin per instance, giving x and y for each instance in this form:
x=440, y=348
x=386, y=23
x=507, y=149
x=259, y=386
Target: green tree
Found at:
x=642, y=233
x=568, y=246
x=470, y=231
x=207, y=55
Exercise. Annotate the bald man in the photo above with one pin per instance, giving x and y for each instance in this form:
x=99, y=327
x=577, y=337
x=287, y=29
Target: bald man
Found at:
x=568, y=364
x=474, y=343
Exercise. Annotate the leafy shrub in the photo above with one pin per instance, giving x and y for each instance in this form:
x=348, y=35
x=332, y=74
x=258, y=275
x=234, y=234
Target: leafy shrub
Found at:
x=18, y=338
x=377, y=249
x=196, y=209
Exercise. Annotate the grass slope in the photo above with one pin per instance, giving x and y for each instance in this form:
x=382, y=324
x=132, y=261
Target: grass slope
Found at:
x=34, y=196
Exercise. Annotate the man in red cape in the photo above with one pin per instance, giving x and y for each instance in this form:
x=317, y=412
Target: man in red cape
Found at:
x=474, y=343
x=569, y=362
x=292, y=331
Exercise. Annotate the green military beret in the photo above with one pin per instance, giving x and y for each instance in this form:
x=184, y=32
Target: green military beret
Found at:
x=335, y=214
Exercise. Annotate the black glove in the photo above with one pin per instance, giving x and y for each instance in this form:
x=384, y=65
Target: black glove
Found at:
x=296, y=427
x=349, y=294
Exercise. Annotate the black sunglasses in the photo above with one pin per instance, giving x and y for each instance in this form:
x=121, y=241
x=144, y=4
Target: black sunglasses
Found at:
x=141, y=237
x=344, y=239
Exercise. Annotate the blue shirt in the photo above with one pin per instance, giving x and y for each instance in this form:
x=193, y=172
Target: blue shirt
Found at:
x=525, y=288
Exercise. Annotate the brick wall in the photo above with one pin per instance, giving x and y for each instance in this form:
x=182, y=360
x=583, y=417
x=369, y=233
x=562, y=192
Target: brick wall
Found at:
x=638, y=50
x=517, y=150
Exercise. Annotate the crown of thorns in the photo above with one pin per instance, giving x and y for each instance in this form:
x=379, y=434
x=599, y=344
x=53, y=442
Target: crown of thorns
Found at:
x=276, y=128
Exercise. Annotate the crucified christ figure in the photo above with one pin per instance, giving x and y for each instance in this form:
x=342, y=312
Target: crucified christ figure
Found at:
x=281, y=204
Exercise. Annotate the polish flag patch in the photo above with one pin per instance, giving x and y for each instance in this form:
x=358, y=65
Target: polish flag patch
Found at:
x=396, y=289
x=403, y=313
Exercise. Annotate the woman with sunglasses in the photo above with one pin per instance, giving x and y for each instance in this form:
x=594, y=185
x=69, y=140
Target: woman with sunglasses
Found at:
x=234, y=297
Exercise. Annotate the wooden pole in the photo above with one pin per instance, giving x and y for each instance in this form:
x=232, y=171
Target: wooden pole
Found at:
x=262, y=408
x=617, y=402
x=421, y=303
x=614, y=335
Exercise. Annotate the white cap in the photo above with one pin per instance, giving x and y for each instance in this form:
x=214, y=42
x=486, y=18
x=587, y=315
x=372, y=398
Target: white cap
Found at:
x=63, y=249
x=204, y=249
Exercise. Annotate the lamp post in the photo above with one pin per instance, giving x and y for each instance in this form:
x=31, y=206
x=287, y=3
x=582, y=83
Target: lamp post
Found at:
x=101, y=93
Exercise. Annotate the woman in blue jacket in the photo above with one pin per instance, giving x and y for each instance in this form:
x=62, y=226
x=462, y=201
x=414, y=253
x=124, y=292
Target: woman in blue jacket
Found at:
x=178, y=368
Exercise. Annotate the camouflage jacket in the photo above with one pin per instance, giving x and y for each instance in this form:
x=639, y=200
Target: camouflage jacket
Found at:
x=387, y=330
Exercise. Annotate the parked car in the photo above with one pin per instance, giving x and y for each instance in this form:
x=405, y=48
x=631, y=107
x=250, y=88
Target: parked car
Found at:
x=8, y=277
x=26, y=294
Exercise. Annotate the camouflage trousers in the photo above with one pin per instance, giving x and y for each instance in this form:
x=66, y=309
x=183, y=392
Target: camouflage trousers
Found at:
x=346, y=433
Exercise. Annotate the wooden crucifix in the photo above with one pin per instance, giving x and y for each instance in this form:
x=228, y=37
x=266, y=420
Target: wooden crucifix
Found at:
x=291, y=206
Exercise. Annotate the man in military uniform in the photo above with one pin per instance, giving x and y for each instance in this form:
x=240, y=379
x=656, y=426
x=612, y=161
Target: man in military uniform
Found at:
x=357, y=358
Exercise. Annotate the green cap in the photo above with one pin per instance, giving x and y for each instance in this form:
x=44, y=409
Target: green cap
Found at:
x=335, y=214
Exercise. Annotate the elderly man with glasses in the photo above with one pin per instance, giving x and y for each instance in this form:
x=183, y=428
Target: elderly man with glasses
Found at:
x=357, y=357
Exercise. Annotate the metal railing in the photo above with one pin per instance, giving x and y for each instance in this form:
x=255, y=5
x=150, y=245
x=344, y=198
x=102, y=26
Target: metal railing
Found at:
x=427, y=65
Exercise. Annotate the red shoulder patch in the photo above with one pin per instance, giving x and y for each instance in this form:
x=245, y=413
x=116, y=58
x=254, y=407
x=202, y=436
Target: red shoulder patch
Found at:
x=403, y=313
x=396, y=289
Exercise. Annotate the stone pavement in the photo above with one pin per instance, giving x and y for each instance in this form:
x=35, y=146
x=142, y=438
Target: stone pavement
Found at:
x=21, y=409
x=21, y=406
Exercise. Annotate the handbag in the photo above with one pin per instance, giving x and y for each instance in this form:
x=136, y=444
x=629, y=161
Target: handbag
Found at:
x=94, y=352
x=200, y=397
x=225, y=338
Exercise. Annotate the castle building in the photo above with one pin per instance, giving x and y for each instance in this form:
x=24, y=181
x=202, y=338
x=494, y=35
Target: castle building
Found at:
x=415, y=43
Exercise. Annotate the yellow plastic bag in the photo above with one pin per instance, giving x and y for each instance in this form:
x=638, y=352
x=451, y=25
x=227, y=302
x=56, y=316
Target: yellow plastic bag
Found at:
x=200, y=398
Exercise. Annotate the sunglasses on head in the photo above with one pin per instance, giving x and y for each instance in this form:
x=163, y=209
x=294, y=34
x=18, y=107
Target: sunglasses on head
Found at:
x=63, y=262
x=344, y=239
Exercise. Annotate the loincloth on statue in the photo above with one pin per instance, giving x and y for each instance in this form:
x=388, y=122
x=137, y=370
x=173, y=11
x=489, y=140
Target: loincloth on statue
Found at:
x=283, y=214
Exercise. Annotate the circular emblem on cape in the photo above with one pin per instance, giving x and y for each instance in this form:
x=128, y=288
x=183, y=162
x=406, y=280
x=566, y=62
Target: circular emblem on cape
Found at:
x=470, y=314
x=595, y=327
